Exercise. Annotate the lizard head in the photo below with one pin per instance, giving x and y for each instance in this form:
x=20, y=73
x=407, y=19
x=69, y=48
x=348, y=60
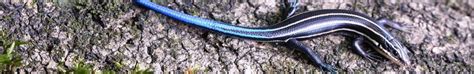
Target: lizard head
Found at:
x=395, y=52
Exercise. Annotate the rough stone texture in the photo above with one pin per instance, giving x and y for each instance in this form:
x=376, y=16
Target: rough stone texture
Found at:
x=440, y=35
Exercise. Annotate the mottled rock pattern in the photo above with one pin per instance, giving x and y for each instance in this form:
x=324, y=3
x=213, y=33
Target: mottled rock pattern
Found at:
x=106, y=32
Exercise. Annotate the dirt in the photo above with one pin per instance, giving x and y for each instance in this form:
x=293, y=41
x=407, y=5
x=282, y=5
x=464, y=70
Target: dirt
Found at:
x=103, y=33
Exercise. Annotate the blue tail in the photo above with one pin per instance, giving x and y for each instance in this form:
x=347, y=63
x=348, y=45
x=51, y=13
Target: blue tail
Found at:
x=216, y=26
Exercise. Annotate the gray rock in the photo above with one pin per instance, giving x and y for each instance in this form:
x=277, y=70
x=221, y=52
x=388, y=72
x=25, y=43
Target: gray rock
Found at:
x=440, y=36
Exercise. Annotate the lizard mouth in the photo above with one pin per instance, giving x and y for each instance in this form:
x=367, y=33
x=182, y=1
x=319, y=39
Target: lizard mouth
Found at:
x=396, y=53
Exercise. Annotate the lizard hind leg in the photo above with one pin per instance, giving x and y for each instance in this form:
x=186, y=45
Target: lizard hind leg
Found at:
x=313, y=56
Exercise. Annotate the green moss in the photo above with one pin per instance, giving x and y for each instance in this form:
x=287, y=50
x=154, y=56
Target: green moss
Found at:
x=60, y=67
x=9, y=60
x=138, y=70
x=109, y=72
x=7, y=18
x=82, y=68
x=118, y=65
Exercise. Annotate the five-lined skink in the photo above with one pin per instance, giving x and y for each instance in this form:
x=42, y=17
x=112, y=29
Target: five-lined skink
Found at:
x=307, y=25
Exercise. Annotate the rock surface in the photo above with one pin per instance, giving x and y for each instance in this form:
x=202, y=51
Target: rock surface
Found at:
x=440, y=36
